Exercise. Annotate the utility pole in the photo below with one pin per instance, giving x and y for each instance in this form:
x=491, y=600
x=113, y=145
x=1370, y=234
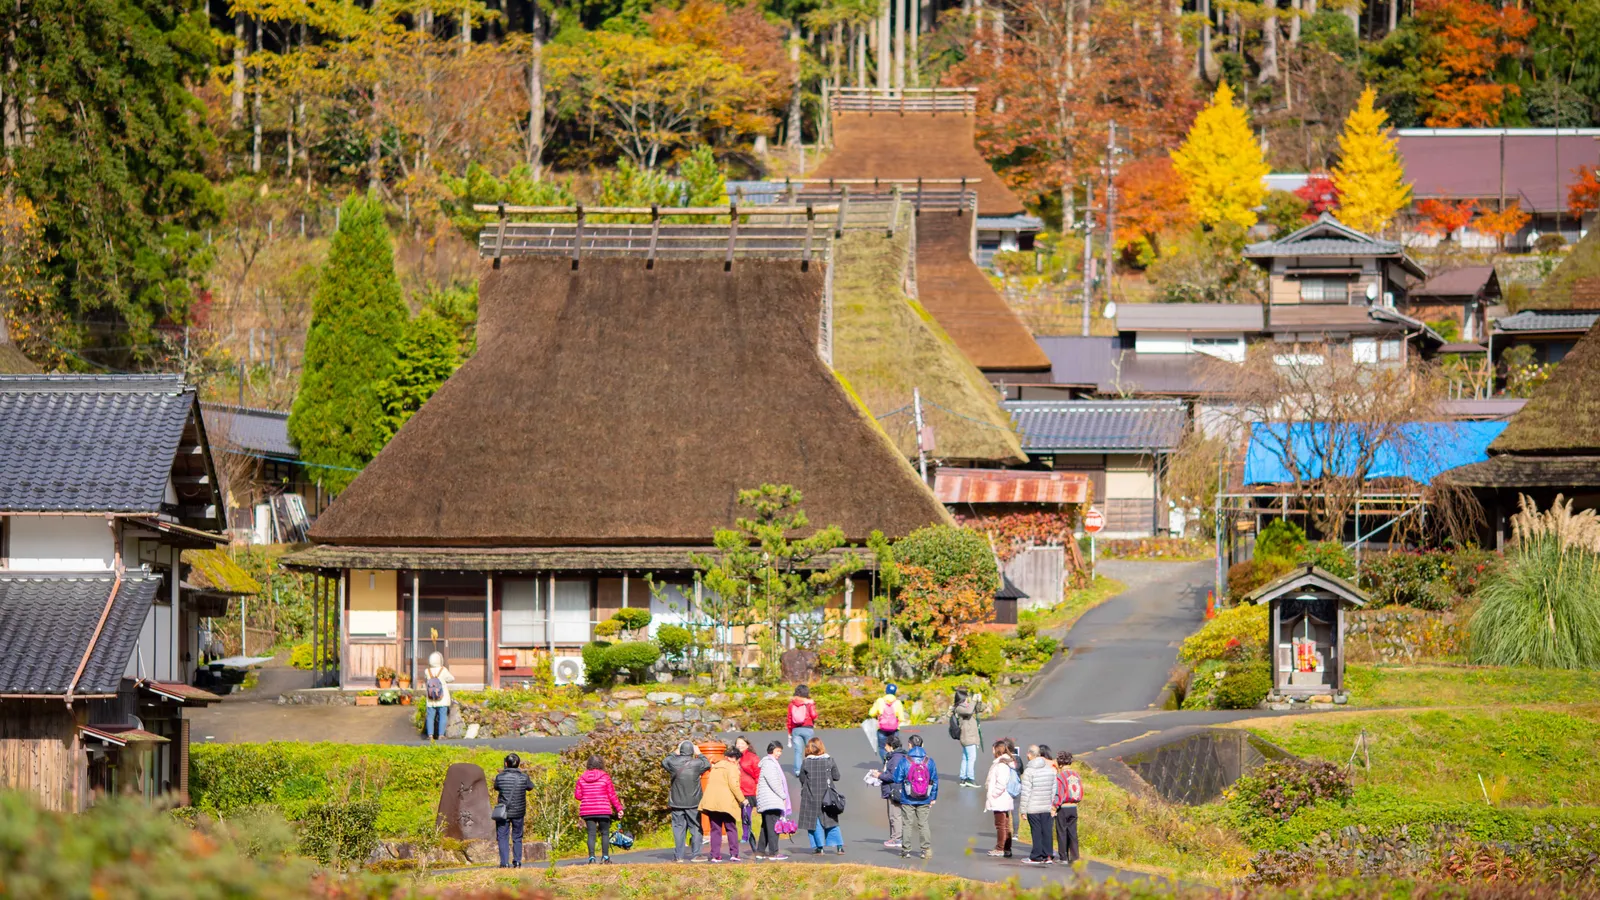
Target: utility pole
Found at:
x=1111, y=204
x=1088, y=253
x=922, y=451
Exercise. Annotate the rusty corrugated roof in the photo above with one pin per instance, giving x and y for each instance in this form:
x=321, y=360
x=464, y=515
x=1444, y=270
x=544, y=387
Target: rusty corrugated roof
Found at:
x=1010, y=486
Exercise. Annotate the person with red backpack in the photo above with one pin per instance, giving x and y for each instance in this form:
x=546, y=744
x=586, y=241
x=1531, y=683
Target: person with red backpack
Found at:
x=890, y=714
x=918, y=779
x=1069, y=793
x=802, y=722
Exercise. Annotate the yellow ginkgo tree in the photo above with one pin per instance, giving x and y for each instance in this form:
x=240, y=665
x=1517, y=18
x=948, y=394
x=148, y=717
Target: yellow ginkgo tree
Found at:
x=1371, y=181
x=1222, y=164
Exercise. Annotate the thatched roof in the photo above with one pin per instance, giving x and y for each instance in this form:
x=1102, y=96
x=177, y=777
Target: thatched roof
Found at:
x=952, y=287
x=915, y=145
x=214, y=570
x=885, y=345
x=615, y=405
x=1563, y=415
x=12, y=362
x=1510, y=471
x=1575, y=283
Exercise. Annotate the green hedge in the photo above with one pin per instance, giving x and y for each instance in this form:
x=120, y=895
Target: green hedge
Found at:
x=298, y=777
x=1378, y=811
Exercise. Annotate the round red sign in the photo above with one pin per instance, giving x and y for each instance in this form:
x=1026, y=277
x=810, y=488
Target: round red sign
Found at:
x=1093, y=520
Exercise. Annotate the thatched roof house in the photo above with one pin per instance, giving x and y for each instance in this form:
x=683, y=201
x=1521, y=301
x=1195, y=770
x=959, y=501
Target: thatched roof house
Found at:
x=1575, y=283
x=892, y=144
x=1551, y=446
x=604, y=428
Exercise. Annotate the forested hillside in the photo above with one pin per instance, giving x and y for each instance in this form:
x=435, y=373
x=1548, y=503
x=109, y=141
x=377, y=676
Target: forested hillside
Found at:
x=172, y=168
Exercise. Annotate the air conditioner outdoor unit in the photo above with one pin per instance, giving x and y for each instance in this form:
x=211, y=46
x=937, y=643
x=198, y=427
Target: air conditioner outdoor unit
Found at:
x=567, y=669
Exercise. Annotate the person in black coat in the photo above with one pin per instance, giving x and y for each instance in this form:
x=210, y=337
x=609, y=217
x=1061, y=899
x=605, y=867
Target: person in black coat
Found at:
x=890, y=790
x=818, y=773
x=512, y=784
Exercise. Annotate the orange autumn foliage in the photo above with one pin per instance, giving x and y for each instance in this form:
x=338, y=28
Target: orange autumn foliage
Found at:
x=1502, y=223
x=1150, y=203
x=1443, y=218
x=1470, y=37
x=739, y=34
x=1584, y=195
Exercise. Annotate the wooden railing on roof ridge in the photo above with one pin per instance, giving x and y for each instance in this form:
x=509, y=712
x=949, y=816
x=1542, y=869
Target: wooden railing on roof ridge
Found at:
x=863, y=202
x=962, y=100
x=799, y=232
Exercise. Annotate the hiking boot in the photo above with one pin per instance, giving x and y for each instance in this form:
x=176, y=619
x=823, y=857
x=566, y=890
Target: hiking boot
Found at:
x=997, y=853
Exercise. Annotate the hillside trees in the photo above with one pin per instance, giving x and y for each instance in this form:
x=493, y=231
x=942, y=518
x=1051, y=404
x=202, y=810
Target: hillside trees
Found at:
x=1369, y=177
x=1222, y=164
x=111, y=160
x=427, y=354
x=357, y=318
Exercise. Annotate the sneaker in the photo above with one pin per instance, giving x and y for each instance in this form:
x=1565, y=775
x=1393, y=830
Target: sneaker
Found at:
x=1030, y=861
x=840, y=851
x=779, y=858
x=927, y=856
x=893, y=845
x=997, y=853
x=817, y=851
x=759, y=856
x=605, y=860
x=716, y=859
x=733, y=858
x=591, y=860
x=904, y=855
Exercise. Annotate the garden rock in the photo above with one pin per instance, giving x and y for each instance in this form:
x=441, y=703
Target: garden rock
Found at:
x=691, y=714
x=798, y=664
x=455, y=726
x=637, y=704
x=692, y=700
x=717, y=699
x=464, y=803
x=664, y=698
x=627, y=695
x=533, y=851
x=482, y=851
x=670, y=715
x=614, y=717
x=569, y=727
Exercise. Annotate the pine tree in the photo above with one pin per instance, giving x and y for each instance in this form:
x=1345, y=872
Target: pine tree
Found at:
x=426, y=356
x=1222, y=164
x=1370, y=179
x=357, y=318
x=112, y=154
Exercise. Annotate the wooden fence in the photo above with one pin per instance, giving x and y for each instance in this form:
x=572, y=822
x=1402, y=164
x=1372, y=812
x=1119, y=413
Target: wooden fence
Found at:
x=1041, y=573
x=960, y=100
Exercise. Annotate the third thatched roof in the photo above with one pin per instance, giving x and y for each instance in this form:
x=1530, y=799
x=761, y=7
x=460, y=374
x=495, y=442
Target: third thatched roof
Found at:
x=952, y=287
x=1563, y=416
x=915, y=145
x=615, y=405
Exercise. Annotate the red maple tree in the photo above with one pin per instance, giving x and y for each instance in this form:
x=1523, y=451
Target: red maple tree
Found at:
x=1320, y=195
x=1443, y=218
x=1150, y=203
x=1503, y=223
x=1470, y=37
x=1584, y=195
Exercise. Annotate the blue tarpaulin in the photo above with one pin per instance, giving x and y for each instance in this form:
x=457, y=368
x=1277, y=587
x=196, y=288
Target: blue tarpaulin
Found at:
x=1420, y=452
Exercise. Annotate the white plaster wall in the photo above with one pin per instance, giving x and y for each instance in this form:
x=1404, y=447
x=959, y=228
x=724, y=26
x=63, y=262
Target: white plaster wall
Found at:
x=1158, y=342
x=1128, y=477
x=59, y=543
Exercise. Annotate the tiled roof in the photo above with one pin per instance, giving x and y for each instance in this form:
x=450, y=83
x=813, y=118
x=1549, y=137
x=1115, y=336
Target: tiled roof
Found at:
x=1327, y=236
x=1540, y=320
x=1086, y=426
x=1532, y=166
x=89, y=444
x=263, y=431
x=1464, y=281
x=1112, y=367
x=47, y=620
x=1229, y=317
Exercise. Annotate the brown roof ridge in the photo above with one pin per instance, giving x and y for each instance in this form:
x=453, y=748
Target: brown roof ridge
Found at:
x=916, y=145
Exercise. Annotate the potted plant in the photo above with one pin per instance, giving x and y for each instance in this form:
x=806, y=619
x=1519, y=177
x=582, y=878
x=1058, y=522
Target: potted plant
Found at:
x=385, y=677
x=403, y=681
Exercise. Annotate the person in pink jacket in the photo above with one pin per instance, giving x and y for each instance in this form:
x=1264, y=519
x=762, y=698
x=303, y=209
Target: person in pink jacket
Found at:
x=598, y=804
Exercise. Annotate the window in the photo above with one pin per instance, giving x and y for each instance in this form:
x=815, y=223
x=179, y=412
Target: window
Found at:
x=1389, y=350
x=1324, y=290
x=671, y=605
x=569, y=620
x=1364, y=350
x=521, y=624
x=1228, y=348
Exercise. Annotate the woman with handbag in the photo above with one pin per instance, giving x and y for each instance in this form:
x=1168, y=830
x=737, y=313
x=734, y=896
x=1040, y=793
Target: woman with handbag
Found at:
x=772, y=801
x=512, y=784
x=598, y=804
x=820, y=803
x=749, y=774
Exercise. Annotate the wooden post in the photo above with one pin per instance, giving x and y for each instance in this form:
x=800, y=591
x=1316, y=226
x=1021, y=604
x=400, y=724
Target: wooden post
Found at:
x=805, y=254
x=894, y=210
x=500, y=237
x=733, y=235
x=549, y=618
x=655, y=234
x=416, y=611
x=343, y=644
x=577, y=238
x=491, y=664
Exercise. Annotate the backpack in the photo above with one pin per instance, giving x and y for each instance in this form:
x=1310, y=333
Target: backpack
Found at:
x=1069, y=787
x=434, y=688
x=919, y=782
x=799, y=712
x=887, y=720
x=955, y=726
x=1013, y=783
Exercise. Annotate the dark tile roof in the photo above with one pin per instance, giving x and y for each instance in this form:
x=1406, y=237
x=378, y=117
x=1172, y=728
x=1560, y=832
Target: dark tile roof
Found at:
x=1327, y=236
x=264, y=431
x=1110, y=366
x=47, y=620
x=1229, y=317
x=1465, y=163
x=1542, y=320
x=1466, y=281
x=1090, y=426
x=89, y=443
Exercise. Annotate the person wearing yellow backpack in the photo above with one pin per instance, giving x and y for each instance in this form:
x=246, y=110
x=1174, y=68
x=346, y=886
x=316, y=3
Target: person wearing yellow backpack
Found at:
x=890, y=714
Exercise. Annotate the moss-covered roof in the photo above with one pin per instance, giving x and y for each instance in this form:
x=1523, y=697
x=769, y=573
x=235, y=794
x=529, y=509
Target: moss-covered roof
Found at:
x=1575, y=283
x=215, y=570
x=1563, y=415
x=885, y=344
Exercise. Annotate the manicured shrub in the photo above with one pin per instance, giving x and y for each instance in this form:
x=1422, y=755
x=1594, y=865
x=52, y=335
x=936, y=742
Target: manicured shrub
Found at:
x=1028, y=653
x=633, y=761
x=1244, y=686
x=1245, y=625
x=950, y=552
x=610, y=628
x=300, y=656
x=1281, y=788
x=1028, y=630
x=634, y=657
x=633, y=618
x=1330, y=556
x=598, y=668
x=981, y=653
x=1281, y=538
x=674, y=641
x=1246, y=576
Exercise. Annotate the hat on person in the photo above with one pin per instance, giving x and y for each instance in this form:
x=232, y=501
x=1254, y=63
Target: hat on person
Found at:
x=891, y=689
x=686, y=748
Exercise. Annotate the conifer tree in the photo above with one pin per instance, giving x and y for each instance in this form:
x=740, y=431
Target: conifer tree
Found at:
x=1370, y=179
x=1222, y=164
x=426, y=356
x=357, y=318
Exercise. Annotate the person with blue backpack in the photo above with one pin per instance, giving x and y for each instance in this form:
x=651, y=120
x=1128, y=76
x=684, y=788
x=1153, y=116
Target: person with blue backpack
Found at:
x=918, y=779
x=436, y=688
x=1001, y=789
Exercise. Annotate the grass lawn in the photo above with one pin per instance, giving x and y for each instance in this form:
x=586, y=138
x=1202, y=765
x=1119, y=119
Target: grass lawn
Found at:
x=785, y=880
x=1074, y=605
x=1527, y=757
x=1381, y=686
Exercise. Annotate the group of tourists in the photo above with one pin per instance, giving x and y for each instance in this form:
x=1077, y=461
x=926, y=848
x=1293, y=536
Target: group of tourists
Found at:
x=743, y=800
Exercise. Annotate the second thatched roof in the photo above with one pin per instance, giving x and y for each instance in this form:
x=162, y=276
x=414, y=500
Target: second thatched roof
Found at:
x=1575, y=283
x=616, y=405
x=1563, y=416
x=915, y=145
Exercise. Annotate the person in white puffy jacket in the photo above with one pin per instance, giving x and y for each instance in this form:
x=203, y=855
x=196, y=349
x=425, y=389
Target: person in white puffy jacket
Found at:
x=772, y=801
x=1038, y=790
x=998, y=800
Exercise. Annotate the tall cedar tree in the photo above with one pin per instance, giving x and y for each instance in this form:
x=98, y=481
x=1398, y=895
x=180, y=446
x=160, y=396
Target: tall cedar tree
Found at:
x=357, y=318
x=1370, y=179
x=1222, y=164
x=112, y=158
x=428, y=353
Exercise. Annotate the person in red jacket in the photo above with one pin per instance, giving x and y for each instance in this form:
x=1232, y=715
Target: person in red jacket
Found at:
x=749, y=773
x=802, y=722
x=598, y=804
